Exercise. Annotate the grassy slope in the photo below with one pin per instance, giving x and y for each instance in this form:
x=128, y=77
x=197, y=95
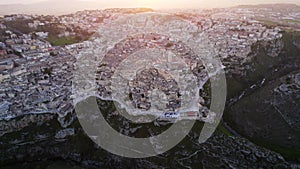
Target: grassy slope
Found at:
x=55, y=41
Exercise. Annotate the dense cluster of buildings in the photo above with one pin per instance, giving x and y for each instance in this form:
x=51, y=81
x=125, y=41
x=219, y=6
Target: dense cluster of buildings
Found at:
x=41, y=85
x=36, y=77
x=28, y=47
x=233, y=31
x=150, y=79
x=147, y=81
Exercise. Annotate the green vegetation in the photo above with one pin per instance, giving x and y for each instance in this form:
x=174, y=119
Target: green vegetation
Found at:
x=234, y=87
x=56, y=41
x=291, y=21
x=268, y=22
x=19, y=25
x=222, y=129
x=280, y=22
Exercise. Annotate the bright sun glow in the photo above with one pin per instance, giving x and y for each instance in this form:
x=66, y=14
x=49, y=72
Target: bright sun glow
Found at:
x=157, y=4
x=195, y=3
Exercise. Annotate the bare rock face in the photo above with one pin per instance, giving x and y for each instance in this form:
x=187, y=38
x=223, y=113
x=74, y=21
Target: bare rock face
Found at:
x=275, y=47
x=279, y=105
x=286, y=94
x=268, y=111
x=49, y=142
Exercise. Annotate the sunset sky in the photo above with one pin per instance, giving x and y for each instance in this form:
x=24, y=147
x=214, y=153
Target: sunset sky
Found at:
x=165, y=3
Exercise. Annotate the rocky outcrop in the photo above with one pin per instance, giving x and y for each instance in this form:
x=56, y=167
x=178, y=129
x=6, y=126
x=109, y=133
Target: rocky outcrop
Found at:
x=266, y=111
x=48, y=142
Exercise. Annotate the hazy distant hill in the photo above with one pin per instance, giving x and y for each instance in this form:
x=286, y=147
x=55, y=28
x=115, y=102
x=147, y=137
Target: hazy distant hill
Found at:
x=59, y=7
x=54, y=7
x=272, y=6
